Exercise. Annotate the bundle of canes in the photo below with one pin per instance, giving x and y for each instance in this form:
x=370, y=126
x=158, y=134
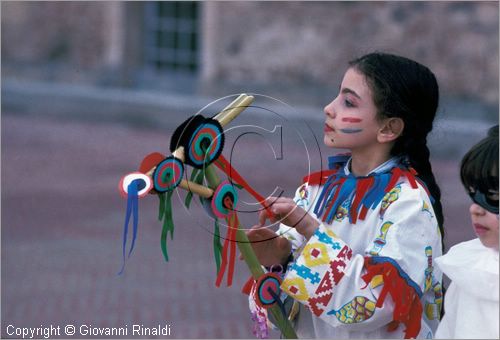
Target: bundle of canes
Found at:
x=238, y=235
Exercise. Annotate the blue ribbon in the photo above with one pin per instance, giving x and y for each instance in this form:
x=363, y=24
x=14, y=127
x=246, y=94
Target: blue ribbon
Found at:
x=345, y=191
x=132, y=210
x=319, y=208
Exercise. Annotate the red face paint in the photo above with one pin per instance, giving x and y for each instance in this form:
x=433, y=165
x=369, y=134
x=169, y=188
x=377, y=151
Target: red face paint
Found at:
x=352, y=120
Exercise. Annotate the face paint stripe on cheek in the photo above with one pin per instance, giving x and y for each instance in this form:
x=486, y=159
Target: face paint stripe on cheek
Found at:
x=351, y=130
x=352, y=120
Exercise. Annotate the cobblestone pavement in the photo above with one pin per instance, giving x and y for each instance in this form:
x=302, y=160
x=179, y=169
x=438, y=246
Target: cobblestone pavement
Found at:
x=62, y=221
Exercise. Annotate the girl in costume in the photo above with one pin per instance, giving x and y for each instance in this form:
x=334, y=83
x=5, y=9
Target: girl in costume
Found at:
x=471, y=308
x=357, y=254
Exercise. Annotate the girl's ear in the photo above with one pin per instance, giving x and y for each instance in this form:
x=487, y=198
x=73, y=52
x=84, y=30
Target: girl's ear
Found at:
x=391, y=129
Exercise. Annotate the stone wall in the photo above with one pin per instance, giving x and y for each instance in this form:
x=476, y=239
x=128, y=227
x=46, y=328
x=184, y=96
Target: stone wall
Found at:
x=311, y=43
x=74, y=41
x=72, y=32
x=278, y=45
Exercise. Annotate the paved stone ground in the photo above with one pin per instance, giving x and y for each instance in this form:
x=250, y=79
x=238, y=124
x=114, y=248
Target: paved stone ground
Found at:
x=62, y=221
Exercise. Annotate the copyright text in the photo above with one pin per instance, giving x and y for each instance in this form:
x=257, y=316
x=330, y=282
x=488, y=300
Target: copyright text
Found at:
x=47, y=332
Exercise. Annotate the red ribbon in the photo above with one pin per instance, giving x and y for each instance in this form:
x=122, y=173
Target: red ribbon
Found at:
x=226, y=167
x=229, y=248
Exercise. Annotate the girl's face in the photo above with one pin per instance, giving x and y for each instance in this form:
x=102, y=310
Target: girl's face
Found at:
x=351, y=117
x=485, y=223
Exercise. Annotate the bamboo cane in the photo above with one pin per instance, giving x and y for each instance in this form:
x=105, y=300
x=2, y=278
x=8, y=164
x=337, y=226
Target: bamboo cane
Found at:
x=252, y=262
x=243, y=243
x=225, y=117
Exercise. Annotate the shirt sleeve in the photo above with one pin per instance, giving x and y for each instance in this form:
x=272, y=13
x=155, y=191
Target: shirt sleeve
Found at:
x=381, y=286
x=303, y=196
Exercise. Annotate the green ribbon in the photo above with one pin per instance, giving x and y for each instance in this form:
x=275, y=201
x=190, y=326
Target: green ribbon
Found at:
x=217, y=245
x=161, y=210
x=196, y=177
x=165, y=214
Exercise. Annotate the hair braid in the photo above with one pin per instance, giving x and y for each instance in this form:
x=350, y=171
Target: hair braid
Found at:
x=413, y=143
x=419, y=154
x=408, y=90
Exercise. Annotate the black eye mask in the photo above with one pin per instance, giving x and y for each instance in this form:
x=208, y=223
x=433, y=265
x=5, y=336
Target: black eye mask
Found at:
x=483, y=201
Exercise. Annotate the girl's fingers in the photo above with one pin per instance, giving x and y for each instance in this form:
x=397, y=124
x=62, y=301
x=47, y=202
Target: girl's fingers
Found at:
x=279, y=206
x=273, y=200
x=278, y=209
x=262, y=217
x=253, y=233
x=282, y=209
x=259, y=233
x=284, y=244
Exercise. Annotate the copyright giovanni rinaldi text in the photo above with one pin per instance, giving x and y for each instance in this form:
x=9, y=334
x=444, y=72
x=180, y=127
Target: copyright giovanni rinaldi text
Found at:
x=47, y=332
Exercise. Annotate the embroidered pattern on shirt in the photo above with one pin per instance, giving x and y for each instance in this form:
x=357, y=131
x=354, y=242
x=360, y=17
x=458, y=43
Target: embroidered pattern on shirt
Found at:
x=380, y=241
x=389, y=198
x=357, y=310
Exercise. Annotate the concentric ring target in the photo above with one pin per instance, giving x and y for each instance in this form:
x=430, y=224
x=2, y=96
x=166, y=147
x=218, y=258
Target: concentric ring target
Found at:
x=224, y=199
x=266, y=283
x=168, y=174
x=144, y=184
x=205, y=144
x=183, y=133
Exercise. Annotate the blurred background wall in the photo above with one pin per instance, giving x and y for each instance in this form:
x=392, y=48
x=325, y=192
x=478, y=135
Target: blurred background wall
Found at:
x=289, y=48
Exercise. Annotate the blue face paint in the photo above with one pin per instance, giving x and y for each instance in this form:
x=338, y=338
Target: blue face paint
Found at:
x=351, y=130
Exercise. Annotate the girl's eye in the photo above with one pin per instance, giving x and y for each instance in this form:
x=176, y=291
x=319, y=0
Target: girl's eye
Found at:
x=492, y=197
x=348, y=103
x=493, y=202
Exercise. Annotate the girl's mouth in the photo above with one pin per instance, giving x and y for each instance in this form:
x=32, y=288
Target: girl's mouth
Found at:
x=480, y=229
x=327, y=128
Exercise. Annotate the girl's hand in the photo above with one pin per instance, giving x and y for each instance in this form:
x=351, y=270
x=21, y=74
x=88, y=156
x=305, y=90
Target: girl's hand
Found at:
x=287, y=212
x=269, y=248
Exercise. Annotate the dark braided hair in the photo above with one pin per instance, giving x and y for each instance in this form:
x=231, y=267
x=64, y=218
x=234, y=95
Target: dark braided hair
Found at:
x=408, y=90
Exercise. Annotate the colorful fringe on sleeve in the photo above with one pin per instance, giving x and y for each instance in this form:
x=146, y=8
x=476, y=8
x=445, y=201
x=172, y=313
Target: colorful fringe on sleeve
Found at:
x=404, y=292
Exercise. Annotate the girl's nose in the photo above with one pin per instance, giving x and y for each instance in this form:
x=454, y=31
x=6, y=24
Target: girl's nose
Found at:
x=476, y=209
x=329, y=111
